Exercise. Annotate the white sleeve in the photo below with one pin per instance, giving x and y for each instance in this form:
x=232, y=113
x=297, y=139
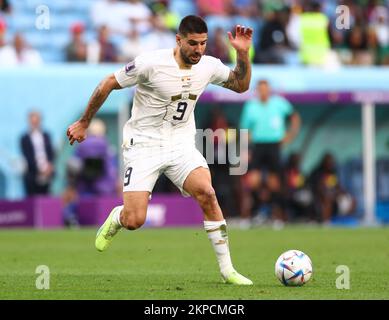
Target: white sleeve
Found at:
x=220, y=74
x=129, y=75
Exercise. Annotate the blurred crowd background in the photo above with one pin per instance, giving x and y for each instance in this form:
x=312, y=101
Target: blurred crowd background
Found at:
x=285, y=182
x=96, y=31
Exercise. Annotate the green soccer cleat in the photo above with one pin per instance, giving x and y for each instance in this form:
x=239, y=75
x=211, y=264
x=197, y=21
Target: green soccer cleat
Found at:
x=236, y=278
x=106, y=232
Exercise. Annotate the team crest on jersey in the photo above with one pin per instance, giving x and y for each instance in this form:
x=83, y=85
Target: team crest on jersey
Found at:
x=185, y=82
x=130, y=66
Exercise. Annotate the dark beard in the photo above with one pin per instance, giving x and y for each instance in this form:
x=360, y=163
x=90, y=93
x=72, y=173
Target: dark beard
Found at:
x=186, y=59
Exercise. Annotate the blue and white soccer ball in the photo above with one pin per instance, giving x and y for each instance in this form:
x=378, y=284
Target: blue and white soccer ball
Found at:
x=293, y=268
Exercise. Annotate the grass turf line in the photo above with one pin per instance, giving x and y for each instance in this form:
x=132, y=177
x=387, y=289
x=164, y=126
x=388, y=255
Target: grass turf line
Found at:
x=180, y=264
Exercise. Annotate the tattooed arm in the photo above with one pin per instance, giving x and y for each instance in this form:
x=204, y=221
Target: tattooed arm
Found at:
x=77, y=131
x=239, y=79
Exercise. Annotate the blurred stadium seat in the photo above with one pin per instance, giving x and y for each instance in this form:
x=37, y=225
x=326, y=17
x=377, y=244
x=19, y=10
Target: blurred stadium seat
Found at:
x=182, y=7
x=61, y=21
x=24, y=22
x=53, y=56
x=36, y=40
x=62, y=6
x=59, y=39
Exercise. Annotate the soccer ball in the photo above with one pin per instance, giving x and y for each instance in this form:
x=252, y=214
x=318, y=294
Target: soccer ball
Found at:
x=293, y=268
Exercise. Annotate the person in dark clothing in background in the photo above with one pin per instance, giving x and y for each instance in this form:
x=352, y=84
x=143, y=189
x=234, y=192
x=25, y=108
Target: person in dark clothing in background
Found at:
x=298, y=195
x=39, y=156
x=330, y=197
x=273, y=39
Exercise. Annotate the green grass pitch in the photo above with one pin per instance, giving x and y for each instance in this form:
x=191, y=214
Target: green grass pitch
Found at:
x=180, y=264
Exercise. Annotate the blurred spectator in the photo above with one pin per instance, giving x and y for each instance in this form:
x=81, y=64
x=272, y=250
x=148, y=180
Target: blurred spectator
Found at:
x=76, y=50
x=293, y=29
x=244, y=8
x=299, y=198
x=160, y=37
x=358, y=42
x=98, y=169
x=19, y=53
x=70, y=199
x=315, y=42
x=214, y=7
x=338, y=44
x=121, y=16
x=5, y=49
x=380, y=27
x=287, y=36
x=274, y=43
x=139, y=15
x=267, y=6
x=3, y=29
x=38, y=153
x=131, y=47
x=266, y=119
x=108, y=13
x=91, y=171
x=330, y=197
x=102, y=50
x=5, y=6
x=220, y=48
x=170, y=19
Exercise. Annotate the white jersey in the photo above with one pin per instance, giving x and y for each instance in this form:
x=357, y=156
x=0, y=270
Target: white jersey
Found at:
x=166, y=96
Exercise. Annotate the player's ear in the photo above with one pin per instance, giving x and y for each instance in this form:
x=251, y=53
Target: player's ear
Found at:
x=178, y=39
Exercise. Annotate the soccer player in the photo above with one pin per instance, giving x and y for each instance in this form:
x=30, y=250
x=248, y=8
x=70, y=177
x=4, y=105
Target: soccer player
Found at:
x=160, y=135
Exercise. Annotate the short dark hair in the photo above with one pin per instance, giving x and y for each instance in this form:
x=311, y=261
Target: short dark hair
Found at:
x=192, y=24
x=315, y=6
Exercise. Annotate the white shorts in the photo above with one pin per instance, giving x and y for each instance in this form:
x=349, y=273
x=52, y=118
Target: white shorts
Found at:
x=144, y=164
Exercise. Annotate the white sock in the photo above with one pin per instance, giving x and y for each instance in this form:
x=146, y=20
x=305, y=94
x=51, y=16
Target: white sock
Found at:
x=217, y=234
x=116, y=215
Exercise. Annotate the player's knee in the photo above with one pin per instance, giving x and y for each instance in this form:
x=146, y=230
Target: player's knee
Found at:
x=205, y=194
x=133, y=220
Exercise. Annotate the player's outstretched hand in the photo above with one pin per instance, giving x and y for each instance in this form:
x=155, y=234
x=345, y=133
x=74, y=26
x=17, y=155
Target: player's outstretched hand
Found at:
x=243, y=38
x=77, y=132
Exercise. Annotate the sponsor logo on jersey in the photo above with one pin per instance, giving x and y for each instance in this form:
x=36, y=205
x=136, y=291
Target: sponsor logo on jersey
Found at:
x=130, y=66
